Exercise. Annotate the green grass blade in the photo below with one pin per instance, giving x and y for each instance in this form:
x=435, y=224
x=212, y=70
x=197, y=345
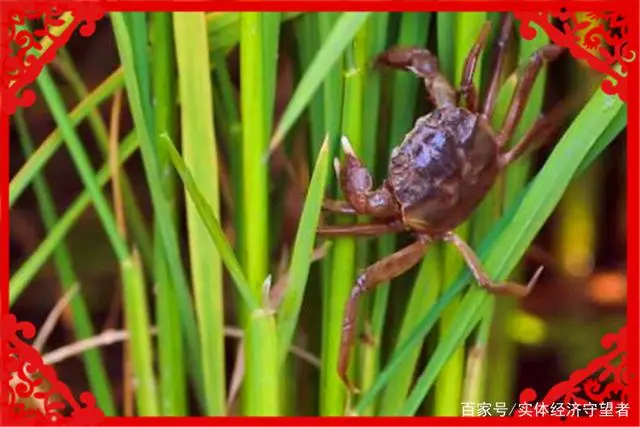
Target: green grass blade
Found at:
x=132, y=211
x=92, y=359
x=212, y=224
x=270, y=48
x=259, y=33
x=308, y=38
x=39, y=158
x=65, y=66
x=255, y=119
x=289, y=310
x=519, y=225
x=377, y=27
x=173, y=384
x=464, y=318
x=261, y=357
x=229, y=123
x=475, y=374
x=81, y=160
x=223, y=28
x=21, y=278
x=200, y=156
x=612, y=130
x=138, y=28
x=334, y=45
x=333, y=84
x=137, y=321
x=291, y=304
x=446, y=26
x=169, y=240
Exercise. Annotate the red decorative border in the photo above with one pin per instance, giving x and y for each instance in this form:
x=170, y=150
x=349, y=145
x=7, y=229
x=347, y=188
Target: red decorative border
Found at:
x=600, y=38
x=24, y=376
x=601, y=46
x=21, y=69
x=599, y=390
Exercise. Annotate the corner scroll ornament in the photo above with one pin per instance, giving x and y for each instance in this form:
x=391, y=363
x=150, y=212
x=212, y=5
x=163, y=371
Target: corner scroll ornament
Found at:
x=599, y=390
x=25, y=51
x=602, y=39
x=30, y=392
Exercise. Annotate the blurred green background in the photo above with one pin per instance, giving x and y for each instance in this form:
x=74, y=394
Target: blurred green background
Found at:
x=219, y=86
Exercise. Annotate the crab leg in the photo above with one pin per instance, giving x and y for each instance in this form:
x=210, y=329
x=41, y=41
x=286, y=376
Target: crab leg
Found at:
x=483, y=278
x=425, y=65
x=540, y=130
x=496, y=66
x=521, y=95
x=386, y=269
x=468, y=89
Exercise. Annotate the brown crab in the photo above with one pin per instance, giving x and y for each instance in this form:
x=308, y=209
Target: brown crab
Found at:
x=443, y=169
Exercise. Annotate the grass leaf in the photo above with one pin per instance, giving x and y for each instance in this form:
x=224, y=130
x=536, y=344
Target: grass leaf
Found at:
x=50, y=145
x=81, y=161
x=148, y=146
x=212, y=224
x=201, y=157
x=173, y=381
x=302, y=250
x=261, y=350
x=256, y=117
x=334, y=45
x=138, y=324
x=223, y=28
x=21, y=278
x=63, y=259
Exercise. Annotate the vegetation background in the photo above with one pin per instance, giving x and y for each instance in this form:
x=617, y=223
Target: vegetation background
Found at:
x=167, y=184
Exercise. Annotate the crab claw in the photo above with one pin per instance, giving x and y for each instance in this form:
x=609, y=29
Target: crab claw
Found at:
x=346, y=146
x=336, y=167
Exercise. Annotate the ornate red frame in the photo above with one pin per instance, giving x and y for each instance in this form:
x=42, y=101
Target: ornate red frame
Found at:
x=613, y=376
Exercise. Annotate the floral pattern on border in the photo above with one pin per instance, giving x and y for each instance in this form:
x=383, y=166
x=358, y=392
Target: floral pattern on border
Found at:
x=25, y=377
x=600, y=38
x=601, y=386
x=22, y=51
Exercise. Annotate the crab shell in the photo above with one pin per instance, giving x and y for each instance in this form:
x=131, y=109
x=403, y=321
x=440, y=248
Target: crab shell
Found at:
x=443, y=169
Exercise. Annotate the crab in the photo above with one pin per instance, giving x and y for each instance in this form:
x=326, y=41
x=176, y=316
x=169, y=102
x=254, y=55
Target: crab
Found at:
x=439, y=174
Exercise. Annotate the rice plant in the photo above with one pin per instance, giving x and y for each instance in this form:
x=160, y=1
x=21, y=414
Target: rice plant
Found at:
x=189, y=219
